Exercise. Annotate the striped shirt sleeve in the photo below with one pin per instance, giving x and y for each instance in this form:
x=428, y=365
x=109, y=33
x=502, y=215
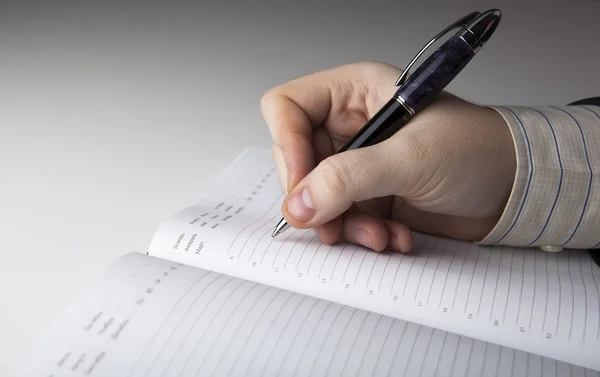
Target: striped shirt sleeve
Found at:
x=555, y=200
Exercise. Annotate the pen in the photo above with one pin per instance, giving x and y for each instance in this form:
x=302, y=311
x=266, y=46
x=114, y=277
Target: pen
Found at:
x=428, y=80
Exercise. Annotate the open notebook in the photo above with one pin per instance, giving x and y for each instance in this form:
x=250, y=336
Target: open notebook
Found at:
x=217, y=296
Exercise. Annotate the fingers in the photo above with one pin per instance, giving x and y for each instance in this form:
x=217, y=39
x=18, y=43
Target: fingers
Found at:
x=369, y=230
x=339, y=181
x=330, y=232
x=322, y=144
x=277, y=156
x=400, y=237
x=341, y=98
x=365, y=229
x=322, y=149
x=290, y=111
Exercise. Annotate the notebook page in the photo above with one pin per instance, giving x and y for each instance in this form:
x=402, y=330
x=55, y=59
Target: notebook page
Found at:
x=526, y=299
x=152, y=317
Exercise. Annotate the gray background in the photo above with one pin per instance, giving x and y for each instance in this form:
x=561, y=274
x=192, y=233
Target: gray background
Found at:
x=113, y=117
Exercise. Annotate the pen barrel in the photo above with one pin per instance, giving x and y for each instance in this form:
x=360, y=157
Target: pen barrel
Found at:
x=388, y=120
x=435, y=73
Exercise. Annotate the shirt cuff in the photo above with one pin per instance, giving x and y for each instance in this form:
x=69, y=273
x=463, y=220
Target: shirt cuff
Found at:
x=555, y=200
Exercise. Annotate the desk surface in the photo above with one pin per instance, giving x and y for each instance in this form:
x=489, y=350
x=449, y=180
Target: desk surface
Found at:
x=113, y=118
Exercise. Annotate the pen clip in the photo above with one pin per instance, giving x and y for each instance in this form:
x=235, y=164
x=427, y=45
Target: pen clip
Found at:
x=460, y=23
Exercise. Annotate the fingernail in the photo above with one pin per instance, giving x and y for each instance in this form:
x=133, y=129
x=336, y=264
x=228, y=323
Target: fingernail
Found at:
x=300, y=206
x=395, y=240
x=362, y=237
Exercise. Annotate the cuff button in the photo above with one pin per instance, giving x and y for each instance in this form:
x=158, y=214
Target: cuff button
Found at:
x=551, y=248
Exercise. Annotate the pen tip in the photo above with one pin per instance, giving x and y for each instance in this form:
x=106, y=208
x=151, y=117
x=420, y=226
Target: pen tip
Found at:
x=281, y=226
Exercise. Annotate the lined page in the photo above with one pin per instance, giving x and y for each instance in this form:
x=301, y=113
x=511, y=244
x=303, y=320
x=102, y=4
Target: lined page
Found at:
x=522, y=298
x=151, y=317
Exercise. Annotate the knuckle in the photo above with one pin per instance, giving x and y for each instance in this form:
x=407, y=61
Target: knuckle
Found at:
x=267, y=99
x=337, y=175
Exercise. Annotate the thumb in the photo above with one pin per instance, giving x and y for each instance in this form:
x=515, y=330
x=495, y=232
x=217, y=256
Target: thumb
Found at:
x=339, y=181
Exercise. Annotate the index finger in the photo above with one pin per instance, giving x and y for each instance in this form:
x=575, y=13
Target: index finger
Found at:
x=291, y=111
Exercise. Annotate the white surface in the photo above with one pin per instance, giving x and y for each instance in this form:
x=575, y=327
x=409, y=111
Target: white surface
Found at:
x=112, y=118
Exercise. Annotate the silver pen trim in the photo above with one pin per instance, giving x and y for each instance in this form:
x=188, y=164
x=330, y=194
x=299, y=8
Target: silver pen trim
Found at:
x=406, y=106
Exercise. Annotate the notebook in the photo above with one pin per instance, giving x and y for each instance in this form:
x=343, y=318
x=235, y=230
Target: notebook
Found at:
x=216, y=295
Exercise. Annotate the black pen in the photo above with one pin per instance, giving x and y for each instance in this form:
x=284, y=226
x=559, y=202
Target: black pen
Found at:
x=418, y=90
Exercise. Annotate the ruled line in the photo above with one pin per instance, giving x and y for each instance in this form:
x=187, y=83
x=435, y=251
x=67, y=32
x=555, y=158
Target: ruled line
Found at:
x=348, y=265
x=255, y=246
x=496, y=284
x=592, y=269
x=313, y=258
x=271, y=219
x=180, y=322
x=287, y=352
x=460, y=275
x=337, y=261
x=454, y=355
x=324, y=261
x=303, y=251
x=263, y=337
x=572, y=294
x=437, y=265
x=585, y=321
x=547, y=290
x=397, y=348
x=384, y=270
x=559, y=294
x=312, y=333
x=270, y=358
x=338, y=342
x=410, y=269
x=437, y=367
x=427, y=350
x=512, y=255
x=484, y=280
x=471, y=281
x=512, y=364
x=485, y=351
x=293, y=247
x=535, y=282
x=445, y=278
x=372, y=268
x=498, y=361
x=243, y=321
x=368, y=343
x=470, y=353
x=387, y=335
x=209, y=325
x=360, y=266
x=249, y=225
x=422, y=271
x=325, y=340
x=409, y=353
x=398, y=269
x=151, y=341
x=280, y=246
x=522, y=287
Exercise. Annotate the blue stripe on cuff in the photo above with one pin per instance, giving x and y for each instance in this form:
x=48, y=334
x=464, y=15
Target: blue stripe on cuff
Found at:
x=597, y=116
x=591, y=178
x=530, y=157
x=559, y=182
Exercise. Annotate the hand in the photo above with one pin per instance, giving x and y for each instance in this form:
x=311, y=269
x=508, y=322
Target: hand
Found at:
x=449, y=171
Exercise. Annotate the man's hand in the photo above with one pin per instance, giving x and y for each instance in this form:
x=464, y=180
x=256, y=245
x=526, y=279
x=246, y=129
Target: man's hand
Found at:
x=448, y=172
